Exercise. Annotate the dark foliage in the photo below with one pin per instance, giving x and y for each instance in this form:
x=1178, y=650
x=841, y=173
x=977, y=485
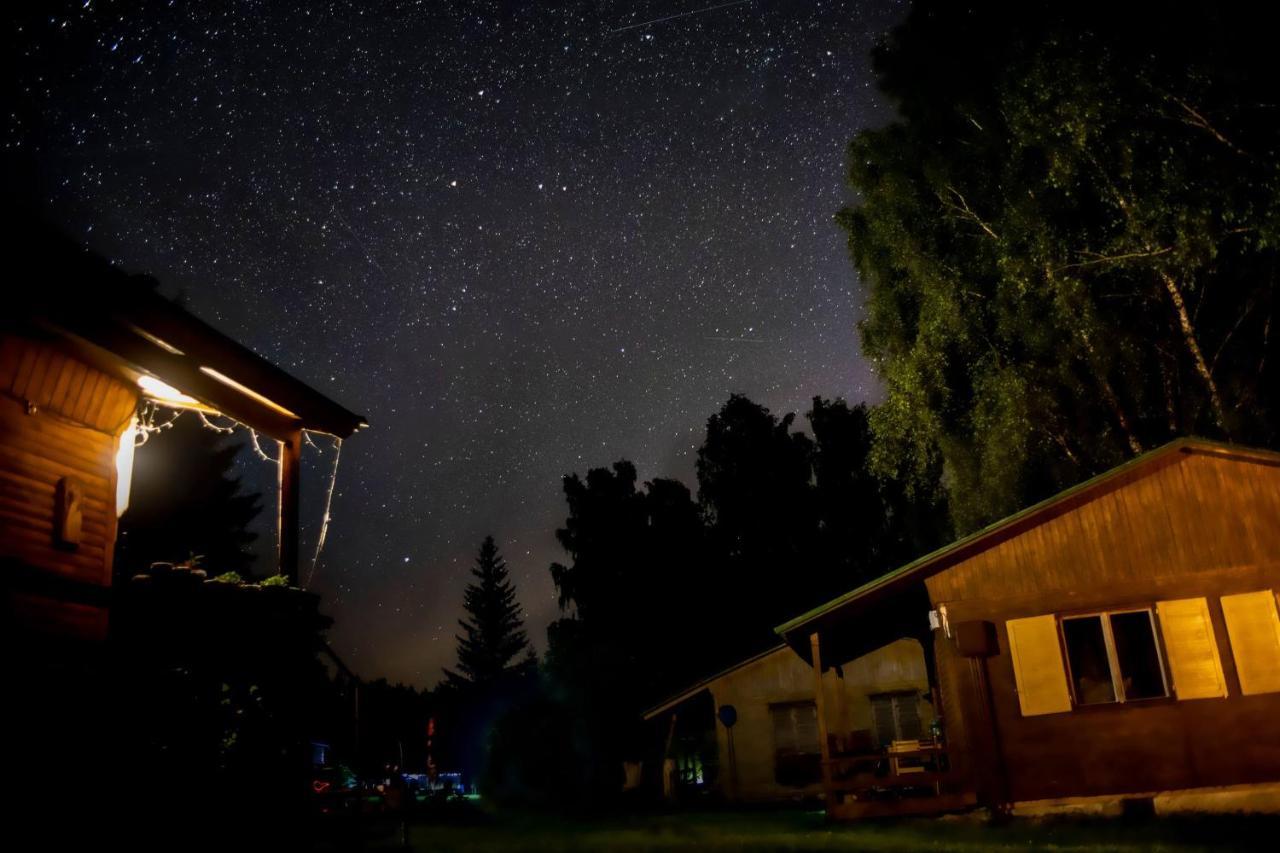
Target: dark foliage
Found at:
x=661, y=590
x=185, y=502
x=1069, y=239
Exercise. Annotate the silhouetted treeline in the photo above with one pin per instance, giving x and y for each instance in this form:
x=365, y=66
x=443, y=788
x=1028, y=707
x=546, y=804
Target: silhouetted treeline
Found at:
x=663, y=586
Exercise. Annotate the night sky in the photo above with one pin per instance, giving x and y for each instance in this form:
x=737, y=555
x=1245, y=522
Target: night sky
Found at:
x=523, y=239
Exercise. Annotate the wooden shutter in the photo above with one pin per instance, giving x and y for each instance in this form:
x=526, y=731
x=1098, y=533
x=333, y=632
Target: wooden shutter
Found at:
x=1191, y=648
x=1037, y=665
x=1254, y=630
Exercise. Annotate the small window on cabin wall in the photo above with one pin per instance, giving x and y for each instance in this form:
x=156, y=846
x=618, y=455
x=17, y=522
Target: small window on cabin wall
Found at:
x=896, y=716
x=795, y=728
x=797, y=754
x=1113, y=657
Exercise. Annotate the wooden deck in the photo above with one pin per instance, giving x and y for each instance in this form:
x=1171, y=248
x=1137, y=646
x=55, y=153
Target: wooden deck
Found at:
x=905, y=780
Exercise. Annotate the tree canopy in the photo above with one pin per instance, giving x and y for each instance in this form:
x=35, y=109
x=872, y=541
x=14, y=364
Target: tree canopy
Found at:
x=1068, y=239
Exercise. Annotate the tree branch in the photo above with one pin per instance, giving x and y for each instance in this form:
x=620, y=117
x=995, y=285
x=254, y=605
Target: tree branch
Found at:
x=965, y=211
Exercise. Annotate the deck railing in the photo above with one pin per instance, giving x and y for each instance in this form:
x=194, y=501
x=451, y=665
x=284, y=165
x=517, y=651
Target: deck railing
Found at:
x=909, y=777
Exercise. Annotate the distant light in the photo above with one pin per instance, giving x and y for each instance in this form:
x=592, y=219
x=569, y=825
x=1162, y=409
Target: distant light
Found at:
x=163, y=391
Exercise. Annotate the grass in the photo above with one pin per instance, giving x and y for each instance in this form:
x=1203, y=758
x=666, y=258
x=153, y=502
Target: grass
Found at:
x=796, y=831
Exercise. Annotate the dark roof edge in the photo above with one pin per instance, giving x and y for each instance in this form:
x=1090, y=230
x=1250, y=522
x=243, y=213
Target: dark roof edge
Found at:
x=697, y=688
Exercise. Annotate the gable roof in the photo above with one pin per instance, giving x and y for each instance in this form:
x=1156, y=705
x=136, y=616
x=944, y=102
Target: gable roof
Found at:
x=695, y=689
x=906, y=577
x=122, y=324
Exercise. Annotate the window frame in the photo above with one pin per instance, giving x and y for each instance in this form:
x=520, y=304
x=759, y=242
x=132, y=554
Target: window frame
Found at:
x=807, y=704
x=897, y=700
x=1113, y=660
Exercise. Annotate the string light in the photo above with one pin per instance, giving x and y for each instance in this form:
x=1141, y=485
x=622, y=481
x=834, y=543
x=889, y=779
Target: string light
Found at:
x=257, y=448
x=225, y=430
x=328, y=502
x=147, y=425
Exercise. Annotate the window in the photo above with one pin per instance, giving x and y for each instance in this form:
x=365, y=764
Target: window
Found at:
x=1254, y=630
x=795, y=728
x=896, y=716
x=797, y=759
x=1113, y=657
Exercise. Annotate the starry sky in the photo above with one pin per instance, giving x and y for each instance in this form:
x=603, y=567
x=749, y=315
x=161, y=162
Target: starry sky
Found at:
x=522, y=238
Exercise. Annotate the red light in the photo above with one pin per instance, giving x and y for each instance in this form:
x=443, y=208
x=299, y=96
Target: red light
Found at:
x=320, y=786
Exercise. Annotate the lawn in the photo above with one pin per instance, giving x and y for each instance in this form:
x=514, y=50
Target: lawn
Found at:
x=795, y=831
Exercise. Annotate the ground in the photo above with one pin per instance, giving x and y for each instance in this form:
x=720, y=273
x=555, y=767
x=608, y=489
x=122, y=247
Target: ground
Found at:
x=796, y=831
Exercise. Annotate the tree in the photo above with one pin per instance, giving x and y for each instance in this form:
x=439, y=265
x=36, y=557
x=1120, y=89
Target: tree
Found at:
x=1069, y=243
x=185, y=502
x=638, y=560
x=493, y=633
x=754, y=486
x=867, y=524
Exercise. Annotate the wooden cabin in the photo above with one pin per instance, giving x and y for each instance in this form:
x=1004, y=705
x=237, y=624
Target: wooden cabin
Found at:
x=81, y=343
x=1115, y=645
x=771, y=750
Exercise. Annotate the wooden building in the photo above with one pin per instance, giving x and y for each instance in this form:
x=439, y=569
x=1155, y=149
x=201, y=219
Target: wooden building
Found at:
x=81, y=343
x=1118, y=643
x=771, y=750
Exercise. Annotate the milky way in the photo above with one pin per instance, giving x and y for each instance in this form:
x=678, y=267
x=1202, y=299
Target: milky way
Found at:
x=523, y=239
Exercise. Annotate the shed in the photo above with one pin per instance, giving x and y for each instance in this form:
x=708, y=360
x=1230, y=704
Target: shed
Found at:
x=771, y=752
x=1119, y=641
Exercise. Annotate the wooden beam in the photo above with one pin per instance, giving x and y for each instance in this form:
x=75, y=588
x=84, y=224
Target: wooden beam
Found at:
x=819, y=700
x=115, y=345
x=290, y=494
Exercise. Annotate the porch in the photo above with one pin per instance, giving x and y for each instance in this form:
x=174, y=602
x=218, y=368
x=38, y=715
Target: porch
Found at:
x=915, y=773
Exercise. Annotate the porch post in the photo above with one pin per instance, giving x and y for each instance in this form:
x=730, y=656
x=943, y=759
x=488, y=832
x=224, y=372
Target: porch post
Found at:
x=290, y=487
x=820, y=702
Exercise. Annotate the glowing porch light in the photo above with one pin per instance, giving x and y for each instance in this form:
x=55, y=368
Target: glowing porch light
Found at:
x=124, y=465
x=246, y=390
x=164, y=392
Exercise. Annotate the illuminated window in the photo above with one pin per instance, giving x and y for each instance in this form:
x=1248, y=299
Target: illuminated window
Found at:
x=1113, y=657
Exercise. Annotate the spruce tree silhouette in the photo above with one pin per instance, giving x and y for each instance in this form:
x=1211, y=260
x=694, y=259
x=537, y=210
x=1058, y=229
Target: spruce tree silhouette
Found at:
x=493, y=632
x=185, y=502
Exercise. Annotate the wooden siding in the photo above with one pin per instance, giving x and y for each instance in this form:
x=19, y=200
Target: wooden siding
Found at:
x=1201, y=514
x=56, y=381
x=79, y=413
x=1207, y=525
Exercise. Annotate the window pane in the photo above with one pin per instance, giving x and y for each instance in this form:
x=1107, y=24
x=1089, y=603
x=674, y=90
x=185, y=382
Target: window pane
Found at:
x=882, y=714
x=1140, y=674
x=909, y=727
x=1087, y=655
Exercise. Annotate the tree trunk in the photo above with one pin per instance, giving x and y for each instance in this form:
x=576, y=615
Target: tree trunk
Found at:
x=1193, y=346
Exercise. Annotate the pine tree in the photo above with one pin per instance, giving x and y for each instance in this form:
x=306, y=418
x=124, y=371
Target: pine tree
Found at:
x=493, y=635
